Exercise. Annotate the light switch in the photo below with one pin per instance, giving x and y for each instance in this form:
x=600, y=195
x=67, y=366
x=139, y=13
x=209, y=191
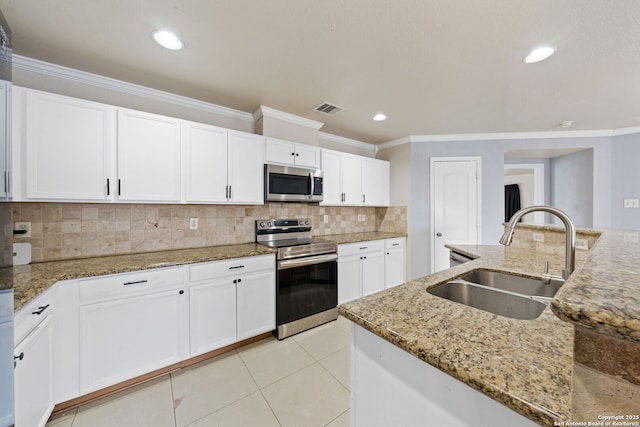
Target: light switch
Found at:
x=538, y=237
x=632, y=203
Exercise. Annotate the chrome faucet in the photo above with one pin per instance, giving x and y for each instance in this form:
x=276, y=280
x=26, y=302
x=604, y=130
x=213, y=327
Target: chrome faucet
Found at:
x=570, y=234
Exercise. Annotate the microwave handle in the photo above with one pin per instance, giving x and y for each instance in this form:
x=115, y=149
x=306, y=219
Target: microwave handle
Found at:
x=311, y=180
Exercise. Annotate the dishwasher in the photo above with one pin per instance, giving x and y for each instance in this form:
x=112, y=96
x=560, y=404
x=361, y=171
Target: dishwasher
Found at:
x=456, y=258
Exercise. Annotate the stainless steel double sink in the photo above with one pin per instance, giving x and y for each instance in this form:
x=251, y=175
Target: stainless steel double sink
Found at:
x=499, y=293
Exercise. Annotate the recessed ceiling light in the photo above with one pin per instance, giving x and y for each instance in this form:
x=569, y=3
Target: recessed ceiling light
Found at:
x=539, y=54
x=379, y=117
x=167, y=40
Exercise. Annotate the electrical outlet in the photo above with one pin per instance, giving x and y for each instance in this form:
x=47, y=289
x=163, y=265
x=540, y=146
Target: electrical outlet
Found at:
x=364, y=217
x=631, y=203
x=582, y=244
x=23, y=228
x=359, y=218
x=193, y=223
x=538, y=237
x=326, y=219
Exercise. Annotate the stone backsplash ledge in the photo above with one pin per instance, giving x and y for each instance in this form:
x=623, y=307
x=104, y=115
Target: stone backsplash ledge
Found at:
x=74, y=230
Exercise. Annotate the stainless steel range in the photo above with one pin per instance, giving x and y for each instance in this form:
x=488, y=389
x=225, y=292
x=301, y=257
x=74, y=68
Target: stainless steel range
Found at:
x=306, y=276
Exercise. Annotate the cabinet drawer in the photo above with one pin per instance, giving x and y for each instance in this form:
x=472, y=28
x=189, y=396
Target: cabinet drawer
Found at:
x=395, y=243
x=361, y=247
x=130, y=284
x=32, y=314
x=217, y=269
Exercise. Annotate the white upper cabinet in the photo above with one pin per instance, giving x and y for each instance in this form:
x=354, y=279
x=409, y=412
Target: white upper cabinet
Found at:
x=351, y=180
x=375, y=182
x=332, y=181
x=68, y=146
x=148, y=157
x=206, y=163
x=288, y=153
x=246, y=168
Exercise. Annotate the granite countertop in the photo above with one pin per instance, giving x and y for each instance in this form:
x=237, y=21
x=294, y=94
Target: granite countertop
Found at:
x=342, y=239
x=31, y=280
x=525, y=364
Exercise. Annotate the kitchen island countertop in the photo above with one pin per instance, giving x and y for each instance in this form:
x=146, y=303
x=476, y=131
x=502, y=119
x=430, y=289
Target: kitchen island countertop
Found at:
x=525, y=364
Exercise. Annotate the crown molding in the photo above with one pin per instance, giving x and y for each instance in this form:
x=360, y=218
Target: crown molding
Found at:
x=626, y=131
x=264, y=111
x=347, y=141
x=395, y=143
x=509, y=135
x=90, y=79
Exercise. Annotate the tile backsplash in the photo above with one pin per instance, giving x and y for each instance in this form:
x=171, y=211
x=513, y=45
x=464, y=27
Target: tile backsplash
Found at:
x=78, y=230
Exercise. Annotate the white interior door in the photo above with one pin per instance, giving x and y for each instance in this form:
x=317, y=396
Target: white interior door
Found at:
x=455, y=206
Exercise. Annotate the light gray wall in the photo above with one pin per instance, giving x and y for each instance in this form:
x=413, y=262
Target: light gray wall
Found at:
x=626, y=178
x=492, y=166
x=572, y=186
x=400, y=173
x=492, y=154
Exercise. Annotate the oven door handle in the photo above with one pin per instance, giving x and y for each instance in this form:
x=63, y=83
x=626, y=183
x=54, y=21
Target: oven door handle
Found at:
x=318, y=259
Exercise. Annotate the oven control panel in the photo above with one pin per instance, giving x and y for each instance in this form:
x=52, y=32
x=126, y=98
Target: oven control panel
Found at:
x=282, y=224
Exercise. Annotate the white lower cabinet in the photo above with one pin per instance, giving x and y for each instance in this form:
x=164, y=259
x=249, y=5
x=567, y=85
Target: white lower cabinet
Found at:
x=33, y=390
x=394, y=262
x=230, y=301
x=256, y=303
x=368, y=267
x=110, y=329
x=130, y=324
x=212, y=315
x=360, y=269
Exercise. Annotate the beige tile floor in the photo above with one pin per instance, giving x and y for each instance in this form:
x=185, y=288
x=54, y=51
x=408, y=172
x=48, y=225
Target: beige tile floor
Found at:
x=302, y=381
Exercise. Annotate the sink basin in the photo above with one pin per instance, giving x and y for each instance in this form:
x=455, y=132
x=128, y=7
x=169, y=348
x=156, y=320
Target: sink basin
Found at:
x=488, y=299
x=508, y=282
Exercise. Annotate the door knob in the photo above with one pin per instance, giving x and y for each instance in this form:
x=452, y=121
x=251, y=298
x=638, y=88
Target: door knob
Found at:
x=438, y=234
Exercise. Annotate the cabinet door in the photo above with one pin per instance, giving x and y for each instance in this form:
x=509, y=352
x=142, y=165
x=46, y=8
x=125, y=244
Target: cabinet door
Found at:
x=375, y=182
x=5, y=131
x=280, y=152
x=332, y=182
x=349, y=278
x=307, y=156
x=256, y=299
x=372, y=272
x=394, y=268
x=206, y=163
x=148, y=157
x=352, y=179
x=33, y=373
x=128, y=337
x=246, y=168
x=69, y=145
x=212, y=315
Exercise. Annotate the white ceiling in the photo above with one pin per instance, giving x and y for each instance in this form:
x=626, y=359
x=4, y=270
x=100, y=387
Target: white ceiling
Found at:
x=433, y=66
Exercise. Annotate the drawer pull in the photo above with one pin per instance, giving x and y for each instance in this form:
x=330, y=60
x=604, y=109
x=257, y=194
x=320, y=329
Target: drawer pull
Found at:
x=364, y=247
x=237, y=266
x=134, y=283
x=395, y=244
x=40, y=310
x=20, y=357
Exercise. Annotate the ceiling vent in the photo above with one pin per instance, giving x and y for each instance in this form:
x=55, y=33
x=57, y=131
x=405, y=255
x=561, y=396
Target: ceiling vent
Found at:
x=328, y=109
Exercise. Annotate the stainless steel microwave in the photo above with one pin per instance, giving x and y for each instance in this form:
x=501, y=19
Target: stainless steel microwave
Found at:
x=290, y=184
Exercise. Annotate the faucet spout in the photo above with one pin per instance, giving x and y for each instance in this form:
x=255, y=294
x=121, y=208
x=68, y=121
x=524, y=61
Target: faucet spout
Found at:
x=570, y=234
